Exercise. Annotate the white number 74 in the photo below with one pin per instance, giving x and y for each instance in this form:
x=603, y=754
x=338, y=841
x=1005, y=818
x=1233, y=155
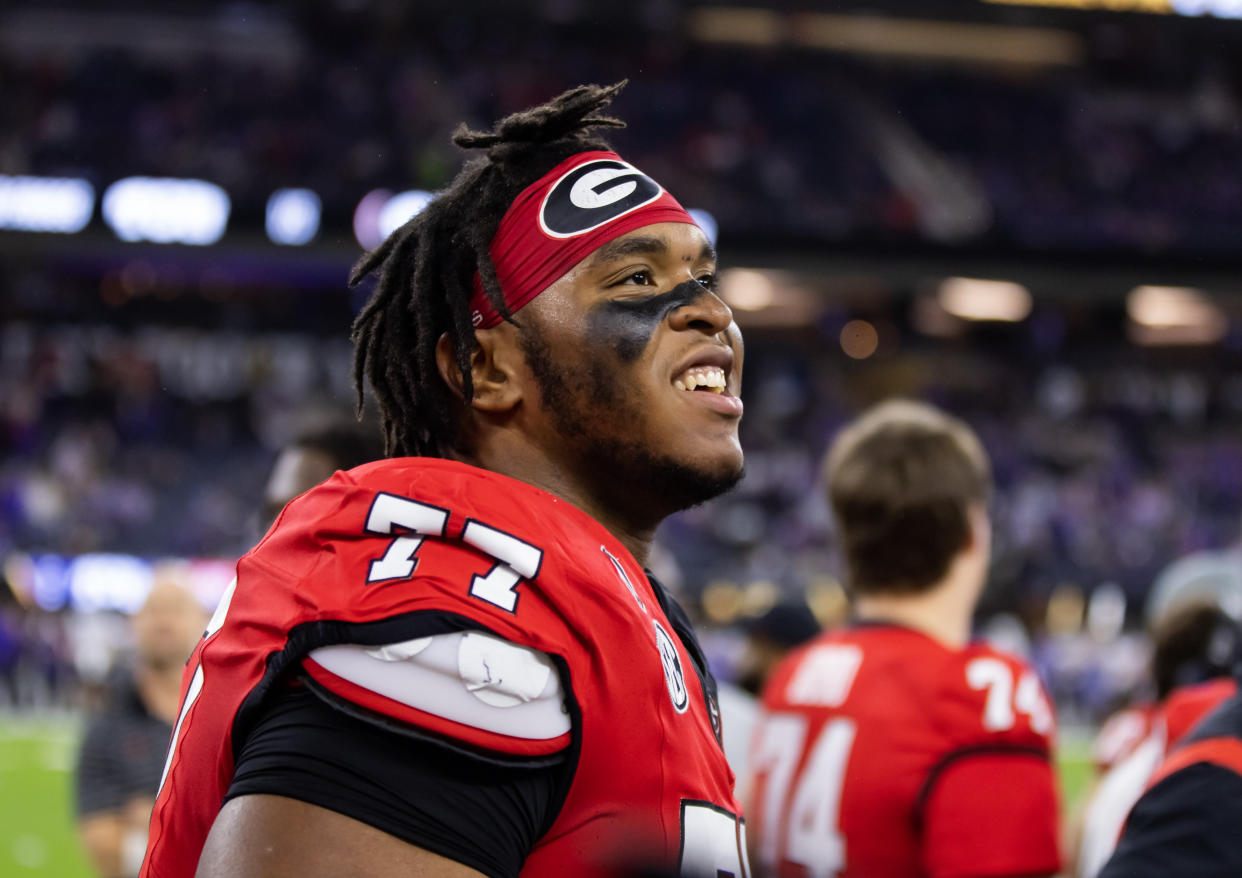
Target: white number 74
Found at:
x=1003, y=702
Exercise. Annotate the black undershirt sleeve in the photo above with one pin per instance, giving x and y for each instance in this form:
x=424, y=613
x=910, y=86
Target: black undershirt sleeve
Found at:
x=483, y=815
x=1187, y=824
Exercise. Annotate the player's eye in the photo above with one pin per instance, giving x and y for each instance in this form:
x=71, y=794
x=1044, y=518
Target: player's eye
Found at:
x=707, y=281
x=640, y=278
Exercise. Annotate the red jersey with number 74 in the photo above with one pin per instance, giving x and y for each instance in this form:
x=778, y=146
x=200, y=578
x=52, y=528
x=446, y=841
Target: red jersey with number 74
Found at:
x=373, y=565
x=882, y=753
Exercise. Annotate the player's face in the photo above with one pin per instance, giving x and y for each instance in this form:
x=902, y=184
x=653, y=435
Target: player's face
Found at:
x=639, y=365
x=167, y=626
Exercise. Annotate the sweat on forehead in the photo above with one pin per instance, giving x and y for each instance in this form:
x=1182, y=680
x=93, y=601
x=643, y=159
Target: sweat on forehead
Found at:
x=583, y=203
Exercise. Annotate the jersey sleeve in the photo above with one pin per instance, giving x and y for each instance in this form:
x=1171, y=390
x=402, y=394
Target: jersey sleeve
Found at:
x=990, y=813
x=990, y=805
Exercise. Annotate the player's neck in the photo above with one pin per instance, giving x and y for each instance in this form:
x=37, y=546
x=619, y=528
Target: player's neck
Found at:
x=528, y=464
x=942, y=613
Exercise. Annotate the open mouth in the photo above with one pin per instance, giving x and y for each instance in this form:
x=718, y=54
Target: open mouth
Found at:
x=710, y=379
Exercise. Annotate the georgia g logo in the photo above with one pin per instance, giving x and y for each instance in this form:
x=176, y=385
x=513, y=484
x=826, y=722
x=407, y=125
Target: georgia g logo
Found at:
x=673, y=675
x=592, y=194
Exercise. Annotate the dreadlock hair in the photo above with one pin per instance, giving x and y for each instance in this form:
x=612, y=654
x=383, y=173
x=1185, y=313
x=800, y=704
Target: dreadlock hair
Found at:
x=427, y=267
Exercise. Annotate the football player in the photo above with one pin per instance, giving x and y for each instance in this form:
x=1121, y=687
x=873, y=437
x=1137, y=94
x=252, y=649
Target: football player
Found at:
x=1195, y=649
x=897, y=747
x=452, y=662
x=1187, y=821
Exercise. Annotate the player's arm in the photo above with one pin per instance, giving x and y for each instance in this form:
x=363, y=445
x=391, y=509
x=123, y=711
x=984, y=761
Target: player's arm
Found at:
x=451, y=748
x=104, y=837
x=991, y=813
x=112, y=824
x=266, y=836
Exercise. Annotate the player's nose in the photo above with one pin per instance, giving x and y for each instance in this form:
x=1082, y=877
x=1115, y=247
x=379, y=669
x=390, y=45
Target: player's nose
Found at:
x=706, y=312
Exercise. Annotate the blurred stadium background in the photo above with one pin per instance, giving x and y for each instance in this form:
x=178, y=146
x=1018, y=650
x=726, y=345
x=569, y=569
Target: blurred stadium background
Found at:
x=1029, y=213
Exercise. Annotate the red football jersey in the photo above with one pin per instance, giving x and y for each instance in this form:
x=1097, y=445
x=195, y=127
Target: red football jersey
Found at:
x=882, y=753
x=376, y=555
x=1121, y=734
x=1104, y=816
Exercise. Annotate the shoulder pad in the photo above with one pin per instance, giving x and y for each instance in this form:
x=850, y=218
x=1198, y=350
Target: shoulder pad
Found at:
x=469, y=686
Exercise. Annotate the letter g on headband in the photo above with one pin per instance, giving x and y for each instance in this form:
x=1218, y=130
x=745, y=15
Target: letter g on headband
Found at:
x=583, y=203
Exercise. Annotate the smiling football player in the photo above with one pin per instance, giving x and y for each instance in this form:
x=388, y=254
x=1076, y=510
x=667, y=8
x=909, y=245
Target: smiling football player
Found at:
x=453, y=661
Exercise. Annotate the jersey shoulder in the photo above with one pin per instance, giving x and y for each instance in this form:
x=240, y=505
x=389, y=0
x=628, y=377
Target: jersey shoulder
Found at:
x=972, y=697
x=887, y=677
x=997, y=699
x=1185, y=706
x=418, y=534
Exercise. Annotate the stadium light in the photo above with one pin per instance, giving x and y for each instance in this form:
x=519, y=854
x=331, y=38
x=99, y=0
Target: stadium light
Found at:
x=166, y=210
x=859, y=339
x=747, y=289
x=975, y=299
x=293, y=216
x=1213, y=8
x=45, y=204
x=109, y=582
x=1174, y=315
x=380, y=213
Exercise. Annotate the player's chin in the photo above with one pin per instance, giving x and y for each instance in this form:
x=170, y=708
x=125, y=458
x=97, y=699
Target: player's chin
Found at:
x=705, y=478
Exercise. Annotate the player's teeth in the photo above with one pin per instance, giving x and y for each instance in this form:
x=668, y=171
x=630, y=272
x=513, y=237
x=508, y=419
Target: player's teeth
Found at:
x=710, y=378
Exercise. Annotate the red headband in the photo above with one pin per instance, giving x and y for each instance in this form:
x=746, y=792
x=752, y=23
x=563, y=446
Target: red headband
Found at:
x=581, y=204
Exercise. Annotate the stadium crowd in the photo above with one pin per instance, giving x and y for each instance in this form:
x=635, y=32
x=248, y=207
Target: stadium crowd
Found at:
x=780, y=145
x=155, y=442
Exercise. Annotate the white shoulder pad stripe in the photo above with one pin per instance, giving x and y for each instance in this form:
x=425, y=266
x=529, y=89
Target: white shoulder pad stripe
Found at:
x=468, y=677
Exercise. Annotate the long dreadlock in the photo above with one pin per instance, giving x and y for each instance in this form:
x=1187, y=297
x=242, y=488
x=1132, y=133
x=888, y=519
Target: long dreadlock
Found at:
x=426, y=268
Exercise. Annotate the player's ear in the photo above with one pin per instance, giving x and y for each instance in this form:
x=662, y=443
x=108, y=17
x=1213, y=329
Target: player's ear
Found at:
x=979, y=533
x=494, y=368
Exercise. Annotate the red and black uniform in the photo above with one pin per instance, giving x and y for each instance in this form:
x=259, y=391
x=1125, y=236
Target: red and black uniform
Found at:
x=395, y=552
x=1187, y=821
x=1120, y=787
x=882, y=753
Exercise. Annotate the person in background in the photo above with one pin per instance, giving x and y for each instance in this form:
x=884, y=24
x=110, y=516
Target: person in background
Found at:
x=1195, y=648
x=1186, y=823
x=769, y=638
x=897, y=747
x=314, y=455
x=123, y=749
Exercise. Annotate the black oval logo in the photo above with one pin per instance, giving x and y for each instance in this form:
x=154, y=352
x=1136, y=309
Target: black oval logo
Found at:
x=593, y=194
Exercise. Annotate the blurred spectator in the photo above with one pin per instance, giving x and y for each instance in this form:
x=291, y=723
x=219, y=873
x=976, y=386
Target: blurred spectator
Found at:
x=769, y=638
x=1196, y=647
x=314, y=455
x=1186, y=822
x=123, y=751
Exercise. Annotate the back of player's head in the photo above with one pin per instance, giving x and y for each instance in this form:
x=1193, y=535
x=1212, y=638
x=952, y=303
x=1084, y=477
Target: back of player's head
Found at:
x=346, y=444
x=314, y=454
x=1192, y=644
x=901, y=480
x=428, y=268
